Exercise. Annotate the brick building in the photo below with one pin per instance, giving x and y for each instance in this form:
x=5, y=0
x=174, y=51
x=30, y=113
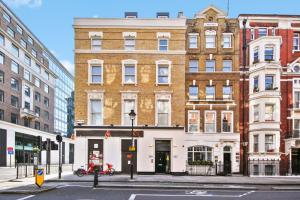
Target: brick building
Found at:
x=212, y=90
x=270, y=62
x=130, y=64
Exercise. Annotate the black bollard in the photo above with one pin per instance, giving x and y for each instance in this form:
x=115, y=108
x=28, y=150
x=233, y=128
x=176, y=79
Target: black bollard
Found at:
x=96, y=171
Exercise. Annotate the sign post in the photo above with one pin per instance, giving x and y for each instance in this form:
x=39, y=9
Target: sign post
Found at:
x=10, y=151
x=39, y=177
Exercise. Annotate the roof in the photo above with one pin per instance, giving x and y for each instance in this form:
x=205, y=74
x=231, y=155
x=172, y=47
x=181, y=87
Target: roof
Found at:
x=269, y=15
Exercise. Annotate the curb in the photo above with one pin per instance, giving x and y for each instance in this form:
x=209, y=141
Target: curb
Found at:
x=170, y=182
x=27, y=191
x=174, y=187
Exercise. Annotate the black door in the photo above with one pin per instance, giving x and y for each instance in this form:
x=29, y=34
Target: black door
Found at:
x=227, y=163
x=162, y=156
x=71, y=153
x=3, y=147
x=128, y=156
x=296, y=161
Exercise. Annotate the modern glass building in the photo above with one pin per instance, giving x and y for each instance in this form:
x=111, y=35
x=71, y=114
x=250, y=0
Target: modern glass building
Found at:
x=64, y=86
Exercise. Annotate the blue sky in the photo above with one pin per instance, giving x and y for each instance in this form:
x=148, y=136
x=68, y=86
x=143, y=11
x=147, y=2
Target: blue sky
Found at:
x=51, y=20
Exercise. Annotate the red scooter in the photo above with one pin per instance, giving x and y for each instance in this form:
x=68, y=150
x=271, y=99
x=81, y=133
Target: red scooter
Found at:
x=91, y=170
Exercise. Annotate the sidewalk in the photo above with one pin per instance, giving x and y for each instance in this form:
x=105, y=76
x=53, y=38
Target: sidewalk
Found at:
x=27, y=185
x=235, y=180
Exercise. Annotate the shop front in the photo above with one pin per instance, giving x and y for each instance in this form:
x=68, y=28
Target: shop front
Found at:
x=156, y=150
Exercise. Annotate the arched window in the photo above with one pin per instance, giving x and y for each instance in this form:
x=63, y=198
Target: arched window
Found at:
x=199, y=153
x=227, y=149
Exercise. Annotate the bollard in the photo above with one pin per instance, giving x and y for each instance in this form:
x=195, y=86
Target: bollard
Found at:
x=96, y=177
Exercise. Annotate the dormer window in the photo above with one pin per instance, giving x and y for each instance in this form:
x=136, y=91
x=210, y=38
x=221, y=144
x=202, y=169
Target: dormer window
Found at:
x=269, y=53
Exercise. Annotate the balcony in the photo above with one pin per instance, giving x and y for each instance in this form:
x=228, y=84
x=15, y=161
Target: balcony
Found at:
x=27, y=113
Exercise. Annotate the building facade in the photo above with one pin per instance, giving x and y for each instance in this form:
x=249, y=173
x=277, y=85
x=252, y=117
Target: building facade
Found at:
x=270, y=63
x=130, y=64
x=212, y=90
x=27, y=92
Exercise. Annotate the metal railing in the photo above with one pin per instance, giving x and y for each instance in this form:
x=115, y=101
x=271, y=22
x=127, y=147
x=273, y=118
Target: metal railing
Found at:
x=216, y=169
x=27, y=170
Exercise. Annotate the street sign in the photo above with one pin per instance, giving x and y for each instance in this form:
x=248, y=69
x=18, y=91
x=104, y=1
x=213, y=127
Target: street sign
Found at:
x=132, y=148
x=39, y=177
x=10, y=150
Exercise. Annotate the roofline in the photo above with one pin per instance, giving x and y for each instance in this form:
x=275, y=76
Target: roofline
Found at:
x=36, y=39
x=269, y=15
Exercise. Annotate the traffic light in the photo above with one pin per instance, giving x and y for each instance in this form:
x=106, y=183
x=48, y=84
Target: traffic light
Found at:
x=59, y=138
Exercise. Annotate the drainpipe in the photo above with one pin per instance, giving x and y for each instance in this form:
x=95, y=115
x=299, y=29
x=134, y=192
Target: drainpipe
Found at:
x=245, y=139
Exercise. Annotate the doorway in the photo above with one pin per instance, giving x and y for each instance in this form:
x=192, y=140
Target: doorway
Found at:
x=296, y=161
x=227, y=160
x=162, y=156
x=128, y=156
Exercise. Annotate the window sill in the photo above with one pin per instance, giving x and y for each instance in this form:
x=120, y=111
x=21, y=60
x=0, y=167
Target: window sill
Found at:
x=163, y=84
x=132, y=84
x=89, y=83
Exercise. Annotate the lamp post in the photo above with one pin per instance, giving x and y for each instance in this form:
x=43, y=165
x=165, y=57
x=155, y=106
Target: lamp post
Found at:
x=132, y=118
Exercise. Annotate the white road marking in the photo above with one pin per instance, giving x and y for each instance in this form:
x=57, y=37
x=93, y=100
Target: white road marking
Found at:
x=192, y=194
x=247, y=193
x=132, y=197
x=27, y=197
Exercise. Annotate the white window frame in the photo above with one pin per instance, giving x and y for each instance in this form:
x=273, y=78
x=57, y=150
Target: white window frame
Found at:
x=15, y=50
x=159, y=39
x=132, y=63
x=210, y=98
x=228, y=61
x=129, y=96
x=11, y=32
x=194, y=97
x=273, y=142
x=34, y=53
x=273, y=113
x=13, y=63
x=163, y=62
x=37, y=82
x=26, y=57
x=192, y=61
x=30, y=40
x=23, y=43
x=96, y=47
x=252, y=34
x=46, y=88
x=98, y=36
x=264, y=29
x=215, y=124
x=232, y=121
x=163, y=97
x=256, y=106
x=27, y=75
x=226, y=96
x=197, y=112
x=95, y=95
x=296, y=38
x=19, y=29
x=193, y=45
x=6, y=16
x=95, y=62
x=227, y=35
x=210, y=34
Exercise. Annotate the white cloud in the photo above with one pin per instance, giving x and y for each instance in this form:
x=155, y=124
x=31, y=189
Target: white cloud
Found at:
x=68, y=65
x=28, y=3
x=95, y=16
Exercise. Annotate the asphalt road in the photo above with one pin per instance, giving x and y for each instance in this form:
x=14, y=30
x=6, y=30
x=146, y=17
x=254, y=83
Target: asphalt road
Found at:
x=86, y=192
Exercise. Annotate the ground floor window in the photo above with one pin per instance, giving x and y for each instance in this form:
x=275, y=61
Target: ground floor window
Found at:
x=25, y=146
x=269, y=170
x=199, y=153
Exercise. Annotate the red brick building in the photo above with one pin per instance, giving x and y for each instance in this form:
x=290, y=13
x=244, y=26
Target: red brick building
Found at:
x=270, y=87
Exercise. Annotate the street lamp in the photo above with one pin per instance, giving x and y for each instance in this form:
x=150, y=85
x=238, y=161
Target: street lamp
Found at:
x=132, y=118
